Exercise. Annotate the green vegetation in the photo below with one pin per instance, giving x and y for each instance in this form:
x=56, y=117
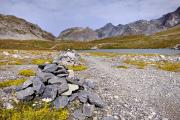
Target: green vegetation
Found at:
x=8, y=83
x=78, y=68
x=41, y=61
x=163, y=65
x=165, y=39
x=25, y=111
x=103, y=54
x=27, y=72
x=124, y=67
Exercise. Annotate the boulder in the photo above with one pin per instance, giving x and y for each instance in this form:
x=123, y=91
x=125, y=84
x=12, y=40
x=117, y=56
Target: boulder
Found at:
x=73, y=97
x=83, y=96
x=89, y=84
x=38, y=85
x=61, y=102
x=50, y=68
x=55, y=80
x=76, y=81
x=45, y=76
x=62, y=75
x=25, y=94
x=50, y=92
x=27, y=83
x=95, y=100
x=72, y=87
x=88, y=110
x=79, y=115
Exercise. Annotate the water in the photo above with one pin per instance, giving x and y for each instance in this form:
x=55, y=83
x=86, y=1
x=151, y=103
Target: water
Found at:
x=137, y=51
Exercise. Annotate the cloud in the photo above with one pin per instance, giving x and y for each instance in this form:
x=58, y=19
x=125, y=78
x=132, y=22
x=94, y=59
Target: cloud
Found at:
x=57, y=15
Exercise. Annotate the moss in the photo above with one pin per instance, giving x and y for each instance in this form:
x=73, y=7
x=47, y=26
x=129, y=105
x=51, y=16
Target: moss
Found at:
x=8, y=83
x=41, y=61
x=25, y=111
x=169, y=66
x=27, y=72
x=124, y=67
x=78, y=67
x=103, y=54
x=138, y=63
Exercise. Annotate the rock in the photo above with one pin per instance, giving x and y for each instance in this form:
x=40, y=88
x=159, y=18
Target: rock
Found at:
x=73, y=97
x=79, y=115
x=55, y=80
x=50, y=68
x=27, y=83
x=41, y=66
x=62, y=75
x=50, y=92
x=38, y=85
x=62, y=71
x=83, y=96
x=90, y=84
x=61, y=102
x=8, y=105
x=25, y=94
x=45, y=76
x=108, y=118
x=6, y=53
x=76, y=81
x=88, y=110
x=95, y=100
x=72, y=87
x=71, y=74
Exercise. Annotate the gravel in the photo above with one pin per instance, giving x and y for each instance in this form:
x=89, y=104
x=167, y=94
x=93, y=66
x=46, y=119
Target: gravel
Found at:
x=134, y=94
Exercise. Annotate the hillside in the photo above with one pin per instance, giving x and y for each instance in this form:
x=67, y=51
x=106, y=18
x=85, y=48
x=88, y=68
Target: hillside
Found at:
x=12, y=27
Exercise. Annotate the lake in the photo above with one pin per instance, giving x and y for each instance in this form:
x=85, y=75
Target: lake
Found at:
x=137, y=51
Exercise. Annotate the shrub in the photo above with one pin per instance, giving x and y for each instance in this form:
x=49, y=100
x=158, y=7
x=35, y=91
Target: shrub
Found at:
x=138, y=63
x=27, y=72
x=25, y=111
x=11, y=82
x=78, y=67
x=169, y=66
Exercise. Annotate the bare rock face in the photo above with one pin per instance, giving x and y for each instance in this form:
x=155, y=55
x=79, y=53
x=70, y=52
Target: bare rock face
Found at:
x=12, y=27
x=141, y=26
x=78, y=34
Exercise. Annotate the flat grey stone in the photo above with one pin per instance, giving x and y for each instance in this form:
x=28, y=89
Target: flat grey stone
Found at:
x=25, y=94
x=79, y=115
x=76, y=81
x=62, y=87
x=55, y=80
x=49, y=68
x=62, y=75
x=72, y=87
x=27, y=83
x=61, y=102
x=38, y=85
x=45, y=76
x=90, y=84
x=95, y=100
x=73, y=97
x=88, y=110
x=50, y=92
x=83, y=96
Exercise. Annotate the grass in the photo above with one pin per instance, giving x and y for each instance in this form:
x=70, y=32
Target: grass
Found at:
x=103, y=54
x=27, y=72
x=165, y=39
x=25, y=111
x=11, y=61
x=8, y=83
x=41, y=61
x=124, y=67
x=78, y=68
x=163, y=65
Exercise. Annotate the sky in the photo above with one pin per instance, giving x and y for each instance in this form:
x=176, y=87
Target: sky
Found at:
x=56, y=15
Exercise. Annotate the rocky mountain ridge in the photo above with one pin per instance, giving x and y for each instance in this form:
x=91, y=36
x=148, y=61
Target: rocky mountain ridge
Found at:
x=12, y=27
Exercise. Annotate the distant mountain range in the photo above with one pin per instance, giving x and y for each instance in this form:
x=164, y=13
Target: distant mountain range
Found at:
x=12, y=27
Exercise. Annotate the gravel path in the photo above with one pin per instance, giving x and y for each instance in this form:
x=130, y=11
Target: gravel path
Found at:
x=135, y=94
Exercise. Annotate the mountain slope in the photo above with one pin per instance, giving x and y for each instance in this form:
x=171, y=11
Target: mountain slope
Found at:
x=12, y=27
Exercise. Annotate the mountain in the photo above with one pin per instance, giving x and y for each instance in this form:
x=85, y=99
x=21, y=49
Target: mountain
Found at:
x=12, y=27
x=78, y=34
x=142, y=26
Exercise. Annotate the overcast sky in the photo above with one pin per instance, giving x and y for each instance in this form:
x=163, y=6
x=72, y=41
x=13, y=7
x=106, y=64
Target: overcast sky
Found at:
x=57, y=15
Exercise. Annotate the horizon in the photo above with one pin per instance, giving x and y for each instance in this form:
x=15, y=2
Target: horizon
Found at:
x=55, y=16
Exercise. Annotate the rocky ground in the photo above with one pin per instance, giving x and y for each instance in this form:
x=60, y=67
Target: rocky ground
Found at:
x=135, y=94
x=129, y=94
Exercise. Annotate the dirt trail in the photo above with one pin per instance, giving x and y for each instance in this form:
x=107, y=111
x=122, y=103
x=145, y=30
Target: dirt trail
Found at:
x=135, y=94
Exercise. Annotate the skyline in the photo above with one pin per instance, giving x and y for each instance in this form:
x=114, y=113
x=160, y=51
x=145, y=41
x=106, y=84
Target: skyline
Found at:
x=56, y=15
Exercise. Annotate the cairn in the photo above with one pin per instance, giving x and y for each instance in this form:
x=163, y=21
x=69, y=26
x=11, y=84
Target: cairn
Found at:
x=56, y=84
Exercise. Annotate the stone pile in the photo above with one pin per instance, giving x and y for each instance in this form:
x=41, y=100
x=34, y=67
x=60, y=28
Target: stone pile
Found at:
x=68, y=58
x=56, y=84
